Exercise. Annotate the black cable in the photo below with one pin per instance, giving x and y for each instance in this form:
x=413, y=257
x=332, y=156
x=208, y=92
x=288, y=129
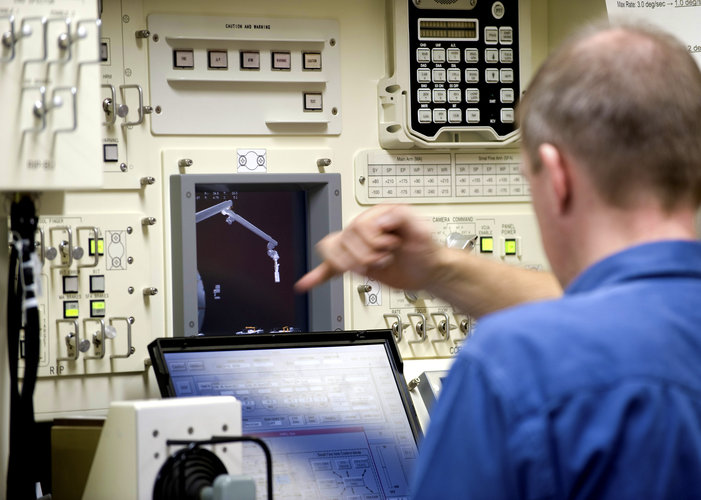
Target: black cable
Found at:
x=236, y=439
x=22, y=314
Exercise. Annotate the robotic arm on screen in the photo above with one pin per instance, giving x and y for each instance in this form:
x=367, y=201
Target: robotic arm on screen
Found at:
x=224, y=208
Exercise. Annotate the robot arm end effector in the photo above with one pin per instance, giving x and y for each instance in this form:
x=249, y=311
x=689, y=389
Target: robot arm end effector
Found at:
x=274, y=255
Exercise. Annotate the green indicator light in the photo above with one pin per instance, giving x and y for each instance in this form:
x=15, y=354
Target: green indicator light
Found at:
x=486, y=244
x=70, y=310
x=100, y=246
x=97, y=308
x=510, y=247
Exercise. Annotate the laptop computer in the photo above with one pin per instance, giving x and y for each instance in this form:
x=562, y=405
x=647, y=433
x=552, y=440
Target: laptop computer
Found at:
x=332, y=406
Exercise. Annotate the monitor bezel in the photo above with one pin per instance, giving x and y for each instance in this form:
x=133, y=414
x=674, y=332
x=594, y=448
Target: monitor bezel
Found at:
x=325, y=304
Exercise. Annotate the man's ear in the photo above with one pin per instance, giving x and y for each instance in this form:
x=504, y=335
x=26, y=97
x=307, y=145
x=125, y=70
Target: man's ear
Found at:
x=557, y=175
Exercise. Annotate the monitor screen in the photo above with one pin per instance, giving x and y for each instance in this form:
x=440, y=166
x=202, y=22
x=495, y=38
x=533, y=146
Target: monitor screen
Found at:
x=240, y=242
x=334, y=411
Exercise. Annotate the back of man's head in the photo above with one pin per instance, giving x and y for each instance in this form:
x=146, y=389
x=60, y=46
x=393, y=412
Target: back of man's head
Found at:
x=625, y=102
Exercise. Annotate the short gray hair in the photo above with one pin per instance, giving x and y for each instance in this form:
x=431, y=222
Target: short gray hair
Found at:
x=625, y=101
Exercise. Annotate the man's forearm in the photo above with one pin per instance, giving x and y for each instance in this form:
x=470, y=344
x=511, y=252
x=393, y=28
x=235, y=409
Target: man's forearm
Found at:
x=478, y=286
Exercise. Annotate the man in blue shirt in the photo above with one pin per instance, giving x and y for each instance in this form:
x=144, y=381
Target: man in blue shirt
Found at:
x=597, y=393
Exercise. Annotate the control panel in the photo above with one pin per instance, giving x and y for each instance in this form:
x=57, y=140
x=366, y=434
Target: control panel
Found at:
x=425, y=326
x=240, y=75
x=48, y=87
x=458, y=73
x=99, y=293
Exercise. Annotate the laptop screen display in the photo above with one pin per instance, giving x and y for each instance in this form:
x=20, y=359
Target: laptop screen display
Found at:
x=333, y=415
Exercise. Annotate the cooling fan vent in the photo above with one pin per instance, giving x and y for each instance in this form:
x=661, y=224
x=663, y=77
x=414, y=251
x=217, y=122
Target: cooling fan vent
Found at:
x=185, y=473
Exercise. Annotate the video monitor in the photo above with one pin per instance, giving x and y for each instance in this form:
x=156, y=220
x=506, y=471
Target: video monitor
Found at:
x=240, y=242
x=333, y=407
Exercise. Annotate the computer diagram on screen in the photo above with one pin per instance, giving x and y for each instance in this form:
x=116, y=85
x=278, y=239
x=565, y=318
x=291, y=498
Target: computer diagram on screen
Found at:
x=333, y=418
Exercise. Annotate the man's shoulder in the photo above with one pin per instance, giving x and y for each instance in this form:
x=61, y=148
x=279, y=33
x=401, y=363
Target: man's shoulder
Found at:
x=542, y=353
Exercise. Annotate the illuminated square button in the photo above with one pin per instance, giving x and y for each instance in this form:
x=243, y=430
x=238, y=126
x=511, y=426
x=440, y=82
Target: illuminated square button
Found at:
x=311, y=60
x=110, y=152
x=312, y=101
x=97, y=283
x=183, y=58
x=70, y=284
x=97, y=308
x=486, y=244
x=70, y=309
x=218, y=59
x=510, y=246
x=282, y=60
x=93, y=247
x=250, y=60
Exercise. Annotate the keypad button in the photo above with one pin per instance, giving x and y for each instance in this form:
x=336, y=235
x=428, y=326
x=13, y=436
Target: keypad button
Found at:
x=506, y=35
x=506, y=95
x=491, y=56
x=472, y=95
x=439, y=95
x=472, y=75
x=453, y=55
x=424, y=95
x=439, y=115
x=491, y=75
x=423, y=55
x=453, y=75
x=507, y=115
x=472, y=115
x=491, y=35
x=438, y=55
x=423, y=75
x=438, y=75
x=506, y=75
x=498, y=10
x=454, y=115
x=472, y=55
x=424, y=115
x=506, y=56
x=454, y=95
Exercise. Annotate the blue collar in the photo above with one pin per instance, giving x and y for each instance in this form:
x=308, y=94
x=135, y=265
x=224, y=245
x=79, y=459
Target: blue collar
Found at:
x=648, y=260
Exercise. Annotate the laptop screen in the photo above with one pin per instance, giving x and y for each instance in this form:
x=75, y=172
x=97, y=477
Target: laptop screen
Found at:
x=332, y=407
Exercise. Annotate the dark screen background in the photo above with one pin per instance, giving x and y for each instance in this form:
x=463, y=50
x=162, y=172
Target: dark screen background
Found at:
x=236, y=259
